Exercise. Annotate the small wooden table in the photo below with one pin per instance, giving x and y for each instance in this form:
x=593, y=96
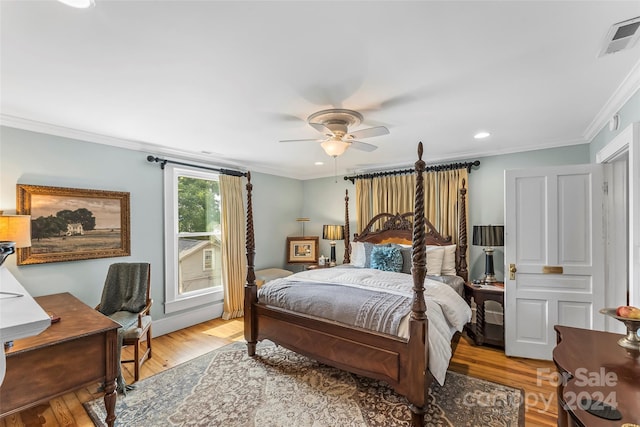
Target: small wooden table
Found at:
x=79, y=350
x=482, y=332
x=595, y=366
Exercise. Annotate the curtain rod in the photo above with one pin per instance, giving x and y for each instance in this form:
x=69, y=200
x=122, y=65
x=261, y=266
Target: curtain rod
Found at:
x=221, y=170
x=434, y=168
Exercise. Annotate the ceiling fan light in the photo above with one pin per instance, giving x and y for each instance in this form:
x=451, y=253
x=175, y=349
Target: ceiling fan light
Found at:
x=334, y=147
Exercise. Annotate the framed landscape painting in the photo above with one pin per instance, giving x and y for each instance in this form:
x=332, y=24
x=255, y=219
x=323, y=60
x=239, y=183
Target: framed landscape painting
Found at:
x=302, y=249
x=69, y=224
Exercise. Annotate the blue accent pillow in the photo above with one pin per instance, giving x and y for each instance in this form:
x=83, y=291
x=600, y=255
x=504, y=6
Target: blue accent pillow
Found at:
x=386, y=258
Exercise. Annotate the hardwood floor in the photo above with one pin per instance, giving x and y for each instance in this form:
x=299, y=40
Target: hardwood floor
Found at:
x=172, y=349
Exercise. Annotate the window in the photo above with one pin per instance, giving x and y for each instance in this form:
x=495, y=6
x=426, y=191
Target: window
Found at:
x=192, y=238
x=207, y=259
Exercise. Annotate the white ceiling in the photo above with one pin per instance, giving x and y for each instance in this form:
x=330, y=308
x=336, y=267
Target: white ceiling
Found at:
x=233, y=78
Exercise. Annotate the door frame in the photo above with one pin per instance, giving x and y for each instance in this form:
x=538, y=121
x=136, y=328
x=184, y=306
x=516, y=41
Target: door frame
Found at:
x=628, y=141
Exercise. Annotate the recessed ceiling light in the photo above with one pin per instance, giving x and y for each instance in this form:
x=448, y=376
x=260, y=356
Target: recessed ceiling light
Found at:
x=481, y=135
x=319, y=163
x=79, y=4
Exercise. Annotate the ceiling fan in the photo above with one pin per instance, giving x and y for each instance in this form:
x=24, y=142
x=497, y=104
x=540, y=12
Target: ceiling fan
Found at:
x=334, y=124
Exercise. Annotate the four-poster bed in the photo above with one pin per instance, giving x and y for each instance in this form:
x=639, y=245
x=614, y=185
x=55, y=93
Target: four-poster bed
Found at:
x=402, y=361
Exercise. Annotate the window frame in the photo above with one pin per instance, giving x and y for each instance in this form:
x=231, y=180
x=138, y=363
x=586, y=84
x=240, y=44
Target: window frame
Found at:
x=174, y=301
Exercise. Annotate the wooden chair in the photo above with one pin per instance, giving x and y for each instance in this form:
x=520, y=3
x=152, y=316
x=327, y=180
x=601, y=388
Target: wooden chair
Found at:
x=139, y=334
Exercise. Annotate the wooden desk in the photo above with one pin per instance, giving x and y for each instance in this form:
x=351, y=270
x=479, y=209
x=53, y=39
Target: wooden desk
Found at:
x=593, y=359
x=79, y=350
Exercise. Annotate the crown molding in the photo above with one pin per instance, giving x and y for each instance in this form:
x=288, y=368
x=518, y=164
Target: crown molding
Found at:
x=149, y=148
x=211, y=160
x=618, y=99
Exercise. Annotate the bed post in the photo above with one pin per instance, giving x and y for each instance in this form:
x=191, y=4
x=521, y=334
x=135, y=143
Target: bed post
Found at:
x=462, y=234
x=347, y=255
x=250, y=289
x=418, y=324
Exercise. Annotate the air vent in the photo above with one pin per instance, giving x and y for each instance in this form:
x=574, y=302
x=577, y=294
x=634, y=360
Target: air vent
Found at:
x=620, y=36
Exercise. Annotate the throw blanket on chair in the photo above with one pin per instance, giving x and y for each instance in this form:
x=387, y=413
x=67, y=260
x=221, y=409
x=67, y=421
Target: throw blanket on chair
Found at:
x=124, y=295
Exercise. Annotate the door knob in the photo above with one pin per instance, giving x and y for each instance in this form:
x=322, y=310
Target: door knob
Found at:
x=512, y=271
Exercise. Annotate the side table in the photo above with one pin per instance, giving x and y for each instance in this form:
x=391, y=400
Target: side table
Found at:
x=591, y=365
x=482, y=332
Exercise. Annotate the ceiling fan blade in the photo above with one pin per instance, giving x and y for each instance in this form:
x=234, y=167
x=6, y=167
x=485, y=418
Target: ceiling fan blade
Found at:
x=321, y=128
x=301, y=140
x=369, y=132
x=359, y=145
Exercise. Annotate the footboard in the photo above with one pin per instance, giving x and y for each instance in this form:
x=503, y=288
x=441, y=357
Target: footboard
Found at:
x=363, y=352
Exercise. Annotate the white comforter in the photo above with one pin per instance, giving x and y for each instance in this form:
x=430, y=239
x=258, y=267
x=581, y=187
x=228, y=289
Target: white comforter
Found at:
x=446, y=310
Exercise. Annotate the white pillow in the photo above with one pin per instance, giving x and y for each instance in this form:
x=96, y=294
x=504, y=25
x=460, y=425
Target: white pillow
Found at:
x=358, y=256
x=435, y=255
x=449, y=261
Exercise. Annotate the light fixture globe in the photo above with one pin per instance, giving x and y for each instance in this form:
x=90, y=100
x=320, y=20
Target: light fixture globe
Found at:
x=334, y=147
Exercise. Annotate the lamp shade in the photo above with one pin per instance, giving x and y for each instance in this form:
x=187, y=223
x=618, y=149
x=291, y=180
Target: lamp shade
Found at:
x=333, y=232
x=488, y=235
x=16, y=228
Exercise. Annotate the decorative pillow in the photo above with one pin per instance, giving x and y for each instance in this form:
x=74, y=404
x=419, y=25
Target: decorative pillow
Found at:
x=358, y=256
x=386, y=258
x=449, y=261
x=368, y=247
x=435, y=255
x=407, y=260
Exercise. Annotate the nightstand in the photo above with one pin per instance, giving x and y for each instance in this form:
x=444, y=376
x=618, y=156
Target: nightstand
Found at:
x=482, y=332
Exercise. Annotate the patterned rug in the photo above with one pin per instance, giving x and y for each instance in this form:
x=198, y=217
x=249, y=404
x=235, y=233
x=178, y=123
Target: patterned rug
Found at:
x=280, y=388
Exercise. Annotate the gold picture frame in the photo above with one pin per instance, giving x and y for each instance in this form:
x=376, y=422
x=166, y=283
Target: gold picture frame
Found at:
x=303, y=250
x=70, y=224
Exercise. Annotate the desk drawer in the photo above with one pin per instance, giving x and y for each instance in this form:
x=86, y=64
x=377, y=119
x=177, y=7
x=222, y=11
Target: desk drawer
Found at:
x=43, y=373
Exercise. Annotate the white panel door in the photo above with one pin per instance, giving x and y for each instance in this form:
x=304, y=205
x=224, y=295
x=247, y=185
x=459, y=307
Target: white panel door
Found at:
x=554, y=242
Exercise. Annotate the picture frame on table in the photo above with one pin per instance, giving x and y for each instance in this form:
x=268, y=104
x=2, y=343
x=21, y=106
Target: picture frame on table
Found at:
x=303, y=250
x=69, y=224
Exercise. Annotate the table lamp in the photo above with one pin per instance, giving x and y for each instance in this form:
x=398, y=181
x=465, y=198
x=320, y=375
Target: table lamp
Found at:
x=333, y=233
x=488, y=236
x=15, y=232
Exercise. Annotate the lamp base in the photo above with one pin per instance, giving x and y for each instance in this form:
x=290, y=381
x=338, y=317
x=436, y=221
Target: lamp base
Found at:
x=6, y=249
x=332, y=258
x=489, y=272
x=490, y=278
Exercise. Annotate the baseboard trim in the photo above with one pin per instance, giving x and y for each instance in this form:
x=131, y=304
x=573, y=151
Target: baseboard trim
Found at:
x=186, y=319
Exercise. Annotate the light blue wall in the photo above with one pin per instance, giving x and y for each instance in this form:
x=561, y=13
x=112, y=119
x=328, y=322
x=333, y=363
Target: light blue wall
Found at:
x=39, y=159
x=324, y=204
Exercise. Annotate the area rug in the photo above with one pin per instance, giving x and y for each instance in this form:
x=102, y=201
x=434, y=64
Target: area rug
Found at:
x=281, y=388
